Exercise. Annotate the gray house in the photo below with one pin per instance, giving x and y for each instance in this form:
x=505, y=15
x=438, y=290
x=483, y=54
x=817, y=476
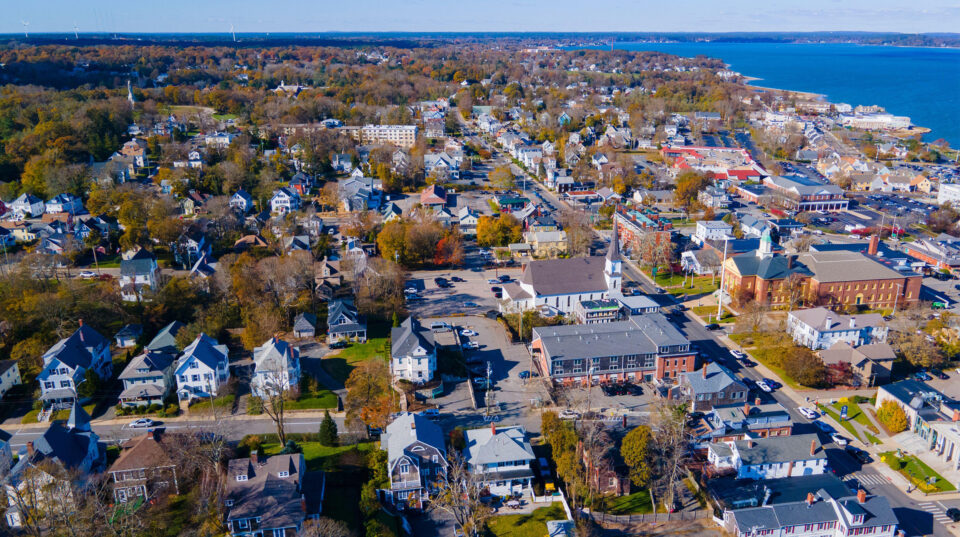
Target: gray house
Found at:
x=305, y=325
x=416, y=457
x=711, y=386
x=344, y=323
x=271, y=495
x=147, y=379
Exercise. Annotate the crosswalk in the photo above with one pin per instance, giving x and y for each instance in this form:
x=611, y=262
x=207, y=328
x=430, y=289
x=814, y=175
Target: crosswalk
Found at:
x=863, y=478
x=935, y=509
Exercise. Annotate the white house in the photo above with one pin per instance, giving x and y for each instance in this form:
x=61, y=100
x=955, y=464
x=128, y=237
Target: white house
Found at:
x=773, y=457
x=413, y=352
x=276, y=368
x=819, y=515
x=66, y=363
x=138, y=274
x=9, y=376
x=710, y=230
x=284, y=200
x=27, y=204
x=64, y=203
x=241, y=201
x=820, y=328
x=949, y=193
x=202, y=369
x=502, y=458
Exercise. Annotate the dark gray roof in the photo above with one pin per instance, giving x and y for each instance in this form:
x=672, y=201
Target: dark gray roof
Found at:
x=408, y=428
x=305, y=321
x=73, y=350
x=156, y=362
x=565, y=276
x=276, y=500
x=716, y=379
x=130, y=331
x=641, y=334
x=141, y=263
x=613, y=252
x=777, y=449
x=772, y=267
x=408, y=336
x=824, y=509
x=166, y=339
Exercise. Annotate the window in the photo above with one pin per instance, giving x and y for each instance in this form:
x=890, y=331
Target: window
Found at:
x=64, y=383
x=404, y=468
x=242, y=477
x=194, y=365
x=228, y=503
x=243, y=524
x=195, y=378
x=283, y=474
x=50, y=385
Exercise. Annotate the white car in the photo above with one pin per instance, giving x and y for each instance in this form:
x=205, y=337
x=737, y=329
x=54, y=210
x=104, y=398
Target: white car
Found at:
x=494, y=281
x=839, y=440
x=141, y=423
x=411, y=290
x=439, y=327
x=764, y=386
x=87, y=274
x=808, y=413
x=471, y=345
x=569, y=415
x=737, y=354
x=467, y=332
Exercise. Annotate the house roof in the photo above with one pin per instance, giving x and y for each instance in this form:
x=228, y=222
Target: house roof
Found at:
x=565, y=276
x=73, y=351
x=155, y=362
x=145, y=451
x=641, y=334
x=206, y=350
x=497, y=444
x=777, y=449
x=717, y=379
x=408, y=428
x=305, y=321
x=166, y=339
x=129, y=331
x=408, y=336
x=275, y=354
x=824, y=320
x=276, y=500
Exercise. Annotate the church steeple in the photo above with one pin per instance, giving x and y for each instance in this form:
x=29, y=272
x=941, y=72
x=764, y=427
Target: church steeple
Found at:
x=611, y=265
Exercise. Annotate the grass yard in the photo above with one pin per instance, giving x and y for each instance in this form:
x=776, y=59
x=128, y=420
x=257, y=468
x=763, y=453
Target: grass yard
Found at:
x=765, y=347
x=637, y=503
x=855, y=413
x=340, y=364
x=222, y=403
x=320, y=399
x=917, y=472
x=845, y=424
x=321, y=457
x=531, y=525
x=31, y=417
x=708, y=313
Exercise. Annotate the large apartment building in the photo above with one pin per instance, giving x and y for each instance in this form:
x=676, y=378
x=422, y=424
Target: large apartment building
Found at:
x=404, y=136
x=641, y=348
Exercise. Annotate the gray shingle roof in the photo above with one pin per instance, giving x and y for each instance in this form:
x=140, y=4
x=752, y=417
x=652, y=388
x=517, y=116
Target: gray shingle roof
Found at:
x=166, y=339
x=565, y=276
x=408, y=336
x=408, y=428
x=777, y=449
x=817, y=318
x=640, y=334
x=484, y=446
x=156, y=362
x=716, y=379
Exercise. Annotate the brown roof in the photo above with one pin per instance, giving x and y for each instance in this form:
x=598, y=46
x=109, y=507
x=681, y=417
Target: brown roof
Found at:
x=144, y=451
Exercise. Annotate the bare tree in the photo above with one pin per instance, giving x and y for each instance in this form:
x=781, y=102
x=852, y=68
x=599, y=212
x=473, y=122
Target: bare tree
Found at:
x=458, y=494
x=325, y=527
x=274, y=390
x=668, y=451
x=579, y=232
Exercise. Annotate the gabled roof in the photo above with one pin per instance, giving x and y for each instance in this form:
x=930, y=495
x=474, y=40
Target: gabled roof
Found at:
x=407, y=429
x=305, y=321
x=777, y=449
x=206, y=350
x=144, y=451
x=73, y=351
x=408, y=336
x=275, y=354
x=565, y=276
x=156, y=362
x=276, y=500
x=717, y=379
x=497, y=444
x=166, y=339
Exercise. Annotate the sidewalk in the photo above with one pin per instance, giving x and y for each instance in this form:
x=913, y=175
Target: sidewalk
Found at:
x=191, y=417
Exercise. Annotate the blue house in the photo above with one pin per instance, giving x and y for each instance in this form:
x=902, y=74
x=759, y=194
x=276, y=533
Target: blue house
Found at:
x=66, y=363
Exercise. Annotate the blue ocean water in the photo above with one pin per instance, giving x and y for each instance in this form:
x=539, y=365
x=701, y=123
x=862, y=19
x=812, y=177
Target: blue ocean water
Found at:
x=923, y=83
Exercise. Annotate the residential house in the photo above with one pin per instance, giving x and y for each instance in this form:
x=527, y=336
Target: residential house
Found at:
x=820, y=328
x=773, y=457
x=302, y=183
x=391, y=211
x=128, y=335
x=241, y=201
x=728, y=423
x=413, y=353
x=52, y=466
x=191, y=246
x=359, y=194
x=271, y=496
x=711, y=386
x=598, y=311
x=605, y=469
x=441, y=166
x=751, y=226
x=9, y=376
x=714, y=198
x=341, y=162
x=202, y=369
x=64, y=203
x=547, y=244
x=820, y=515
x=468, y=221
x=501, y=458
x=416, y=460
x=65, y=365
x=871, y=362
x=434, y=196
x=344, y=323
x=708, y=230
x=276, y=368
x=305, y=325
x=27, y=204
x=146, y=468
x=147, y=379
x=641, y=348
x=284, y=200
x=166, y=339
x=702, y=262
x=6, y=454
x=139, y=275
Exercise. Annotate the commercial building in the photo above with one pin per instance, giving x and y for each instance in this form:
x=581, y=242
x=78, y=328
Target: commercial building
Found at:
x=820, y=328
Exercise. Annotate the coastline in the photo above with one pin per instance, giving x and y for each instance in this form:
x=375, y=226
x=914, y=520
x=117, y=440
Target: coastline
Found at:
x=805, y=94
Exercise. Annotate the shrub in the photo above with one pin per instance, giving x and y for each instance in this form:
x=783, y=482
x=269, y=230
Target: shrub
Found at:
x=255, y=406
x=172, y=409
x=156, y=407
x=892, y=417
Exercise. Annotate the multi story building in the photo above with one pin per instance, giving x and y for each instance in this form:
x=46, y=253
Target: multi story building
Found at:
x=820, y=515
x=773, y=457
x=147, y=379
x=502, y=459
x=145, y=468
x=66, y=363
x=404, y=136
x=138, y=275
x=941, y=253
x=598, y=311
x=709, y=230
x=949, y=193
x=801, y=194
x=270, y=495
x=729, y=423
x=413, y=352
x=276, y=368
x=202, y=369
x=642, y=348
x=416, y=459
x=820, y=328
x=712, y=385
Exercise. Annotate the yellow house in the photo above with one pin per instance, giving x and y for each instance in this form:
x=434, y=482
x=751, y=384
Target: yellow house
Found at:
x=547, y=243
x=922, y=183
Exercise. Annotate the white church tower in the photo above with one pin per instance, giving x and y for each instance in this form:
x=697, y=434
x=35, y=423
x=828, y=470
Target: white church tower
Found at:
x=611, y=266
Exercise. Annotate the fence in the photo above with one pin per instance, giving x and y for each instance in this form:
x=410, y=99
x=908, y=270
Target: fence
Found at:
x=600, y=518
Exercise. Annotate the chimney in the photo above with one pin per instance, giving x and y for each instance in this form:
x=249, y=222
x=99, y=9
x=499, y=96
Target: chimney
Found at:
x=813, y=446
x=862, y=496
x=853, y=322
x=303, y=504
x=828, y=323
x=80, y=322
x=874, y=243
x=150, y=435
x=704, y=370
x=254, y=457
x=956, y=415
x=749, y=442
x=789, y=261
x=810, y=498
x=30, y=450
x=746, y=409
x=493, y=429
x=413, y=424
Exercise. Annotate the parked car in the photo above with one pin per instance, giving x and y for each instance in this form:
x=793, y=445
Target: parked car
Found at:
x=764, y=386
x=808, y=413
x=86, y=274
x=467, y=332
x=457, y=279
x=505, y=278
x=471, y=305
x=839, y=440
x=411, y=290
x=141, y=423
x=922, y=376
x=338, y=345
x=939, y=374
x=493, y=281
x=471, y=345
x=737, y=354
x=862, y=456
x=954, y=514
x=524, y=374
x=712, y=326
x=430, y=412
x=439, y=327
x=823, y=426
x=496, y=289
x=569, y=415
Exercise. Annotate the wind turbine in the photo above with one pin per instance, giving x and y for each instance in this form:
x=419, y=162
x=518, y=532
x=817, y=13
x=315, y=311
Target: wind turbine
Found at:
x=75, y=31
x=25, y=25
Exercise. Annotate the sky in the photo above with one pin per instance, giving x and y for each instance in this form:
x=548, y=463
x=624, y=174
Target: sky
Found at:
x=183, y=16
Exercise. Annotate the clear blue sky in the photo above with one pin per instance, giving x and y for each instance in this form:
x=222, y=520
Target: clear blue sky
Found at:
x=479, y=15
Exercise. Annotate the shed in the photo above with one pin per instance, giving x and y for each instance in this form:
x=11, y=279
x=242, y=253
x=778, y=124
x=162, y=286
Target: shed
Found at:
x=128, y=335
x=305, y=325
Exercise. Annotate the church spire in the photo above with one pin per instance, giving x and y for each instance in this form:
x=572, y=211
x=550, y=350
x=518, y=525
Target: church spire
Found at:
x=613, y=252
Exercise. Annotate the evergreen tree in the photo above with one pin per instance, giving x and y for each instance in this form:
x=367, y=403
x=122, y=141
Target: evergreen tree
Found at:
x=328, y=430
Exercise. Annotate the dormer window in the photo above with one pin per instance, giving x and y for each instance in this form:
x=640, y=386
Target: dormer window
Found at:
x=283, y=474
x=242, y=477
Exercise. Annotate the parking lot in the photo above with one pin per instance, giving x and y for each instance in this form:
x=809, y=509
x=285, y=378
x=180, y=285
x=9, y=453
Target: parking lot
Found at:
x=472, y=295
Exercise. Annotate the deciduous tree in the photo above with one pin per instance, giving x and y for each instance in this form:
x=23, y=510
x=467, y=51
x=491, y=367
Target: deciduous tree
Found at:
x=634, y=448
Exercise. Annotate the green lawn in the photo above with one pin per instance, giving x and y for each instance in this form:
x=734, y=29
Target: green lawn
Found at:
x=321, y=457
x=709, y=313
x=855, y=413
x=221, y=403
x=845, y=424
x=531, y=525
x=637, y=503
x=31, y=417
x=917, y=472
x=318, y=400
x=340, y=364
x=224, y=117
x=764, y=347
